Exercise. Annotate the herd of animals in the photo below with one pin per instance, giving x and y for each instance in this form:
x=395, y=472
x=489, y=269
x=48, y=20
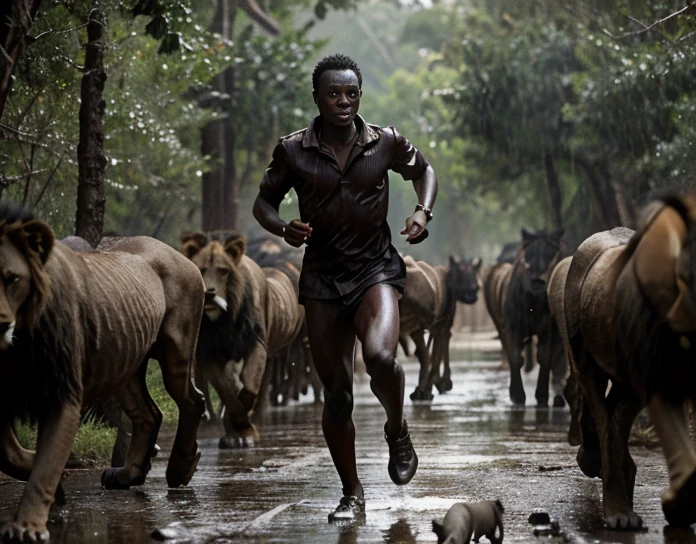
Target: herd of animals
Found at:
x=614, y=323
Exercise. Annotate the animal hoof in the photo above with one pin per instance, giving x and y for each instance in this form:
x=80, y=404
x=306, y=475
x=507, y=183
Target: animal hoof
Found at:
x=443, y=385
x=14, y=531
x=544, y=402
x=628, y=521
x=590, y=462
x=421, y=395
x=236, y=442
x=679, y=506
x=180, y=471
x=118, y=478
x=558, y=401
x=518, y=399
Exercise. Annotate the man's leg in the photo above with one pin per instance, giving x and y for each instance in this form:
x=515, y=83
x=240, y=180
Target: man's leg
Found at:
x=332, y=341
x=377, y=326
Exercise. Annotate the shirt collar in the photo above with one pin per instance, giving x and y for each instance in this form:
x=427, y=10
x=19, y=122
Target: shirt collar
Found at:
x=366, y=134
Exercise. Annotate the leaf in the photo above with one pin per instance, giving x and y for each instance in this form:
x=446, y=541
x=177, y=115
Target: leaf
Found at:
x=157, y=28
x=320, y=10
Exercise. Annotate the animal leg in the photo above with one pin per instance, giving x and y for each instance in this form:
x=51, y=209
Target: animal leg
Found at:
x=422, y=391
x=211, y=414
x=15, y=461
x=440, y=354
x=544, y=354
x=55, y=440
x=515, y=360
x=240, y=432
x=146, y=418
x=446, y=380
x=618, y=468
x=679, y=501
x=177, y=355
x=558, y=365
x=317, y=386
x=592, y=411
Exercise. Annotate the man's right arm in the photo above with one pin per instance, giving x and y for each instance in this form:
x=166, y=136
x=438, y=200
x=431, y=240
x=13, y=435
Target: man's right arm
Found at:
x=275, y=185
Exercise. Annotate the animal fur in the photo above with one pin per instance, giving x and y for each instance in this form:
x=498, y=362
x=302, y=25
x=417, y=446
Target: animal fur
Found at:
x=79, y=327
x=262, y=317
x=429, y=303
x=627, y=307
x=466, y=521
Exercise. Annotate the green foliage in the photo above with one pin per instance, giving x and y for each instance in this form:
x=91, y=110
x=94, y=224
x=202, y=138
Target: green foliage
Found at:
x=92, y=447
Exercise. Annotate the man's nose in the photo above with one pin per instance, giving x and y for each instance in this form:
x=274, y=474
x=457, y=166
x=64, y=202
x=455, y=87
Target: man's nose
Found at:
x=343, y=100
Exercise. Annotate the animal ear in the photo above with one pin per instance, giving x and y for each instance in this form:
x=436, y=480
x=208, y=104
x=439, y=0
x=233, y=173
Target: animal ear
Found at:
x=192, y=243
x=235, y=247
x=526, y=235
x=476, y=263
x=656, y=258
x=39, y=238
x=452, y=261
x=439, y=530
x=500, y=506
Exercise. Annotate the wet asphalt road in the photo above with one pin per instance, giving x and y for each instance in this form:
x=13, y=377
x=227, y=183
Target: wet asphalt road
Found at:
x=471, y=443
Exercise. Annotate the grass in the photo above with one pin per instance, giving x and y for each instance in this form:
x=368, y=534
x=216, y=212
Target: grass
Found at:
x=92, y=447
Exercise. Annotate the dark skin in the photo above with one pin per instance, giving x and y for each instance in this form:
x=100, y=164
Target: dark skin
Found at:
x=332, y=328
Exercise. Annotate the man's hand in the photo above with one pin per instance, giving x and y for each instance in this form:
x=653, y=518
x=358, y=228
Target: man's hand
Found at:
x=415, y=228
x=297, y=233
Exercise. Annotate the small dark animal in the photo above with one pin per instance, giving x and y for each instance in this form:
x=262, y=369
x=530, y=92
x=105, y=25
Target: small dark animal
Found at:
x=467, y=521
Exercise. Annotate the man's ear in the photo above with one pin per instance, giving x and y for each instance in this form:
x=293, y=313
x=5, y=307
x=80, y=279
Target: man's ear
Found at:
x=315, y=96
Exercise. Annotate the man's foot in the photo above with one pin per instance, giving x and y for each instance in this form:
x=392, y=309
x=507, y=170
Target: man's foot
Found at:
x=350, y=509
x=403, y=460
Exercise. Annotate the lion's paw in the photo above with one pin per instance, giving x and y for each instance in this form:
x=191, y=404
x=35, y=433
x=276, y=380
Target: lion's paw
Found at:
x=590, y=462
x=14, y=531
x=629, y=521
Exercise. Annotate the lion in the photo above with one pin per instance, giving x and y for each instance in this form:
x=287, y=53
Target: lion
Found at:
x=429, y=303
x=250, y=313
x=77, y=327
x=626, y=305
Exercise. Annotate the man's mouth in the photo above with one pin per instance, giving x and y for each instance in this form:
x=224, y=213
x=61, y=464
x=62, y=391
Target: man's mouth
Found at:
x=344, y=114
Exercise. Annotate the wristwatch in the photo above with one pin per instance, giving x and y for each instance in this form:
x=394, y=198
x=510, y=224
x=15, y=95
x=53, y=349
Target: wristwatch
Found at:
x=428, y=212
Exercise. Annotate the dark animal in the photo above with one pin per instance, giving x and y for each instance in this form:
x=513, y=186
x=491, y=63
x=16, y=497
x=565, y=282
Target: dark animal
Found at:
x=516, y=299
x=429, y=303
x=467, y=521
x=626, y=306
x=77, y=327
x=250, y=313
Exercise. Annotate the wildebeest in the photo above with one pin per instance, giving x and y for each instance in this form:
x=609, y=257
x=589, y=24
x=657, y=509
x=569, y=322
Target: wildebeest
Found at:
x=516, y=298
x=627, y=304
x=250, y=313
x=429, y=303
x=77, y=327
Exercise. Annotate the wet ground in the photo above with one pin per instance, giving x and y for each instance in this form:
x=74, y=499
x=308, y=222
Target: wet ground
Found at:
x=471, y=443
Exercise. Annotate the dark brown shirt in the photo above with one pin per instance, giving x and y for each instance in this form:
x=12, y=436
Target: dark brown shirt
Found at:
x=350, y=248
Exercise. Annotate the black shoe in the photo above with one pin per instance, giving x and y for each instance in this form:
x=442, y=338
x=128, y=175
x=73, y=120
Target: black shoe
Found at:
x=403, y=460
x=350, y=509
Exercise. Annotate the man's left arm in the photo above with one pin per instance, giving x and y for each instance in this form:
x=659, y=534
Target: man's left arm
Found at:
x=426, y=190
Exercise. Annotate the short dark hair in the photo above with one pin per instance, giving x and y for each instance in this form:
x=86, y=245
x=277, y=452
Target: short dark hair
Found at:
x=335, y=62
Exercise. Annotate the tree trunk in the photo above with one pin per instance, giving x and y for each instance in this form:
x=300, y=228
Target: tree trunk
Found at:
x=232, y=181
x=554, y=188
x=16, y=19
x=213, y=143
x=602, y=193
x=91, y=197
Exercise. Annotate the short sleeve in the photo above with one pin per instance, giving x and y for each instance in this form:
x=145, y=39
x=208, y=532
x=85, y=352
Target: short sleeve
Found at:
x=277, y=179
x=407, y=160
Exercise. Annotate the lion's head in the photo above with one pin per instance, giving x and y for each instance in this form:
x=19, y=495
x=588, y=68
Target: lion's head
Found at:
x=219, y=266
x=25, y=245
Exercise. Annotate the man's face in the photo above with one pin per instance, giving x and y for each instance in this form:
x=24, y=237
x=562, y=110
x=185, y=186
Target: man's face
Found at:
x=338, y=97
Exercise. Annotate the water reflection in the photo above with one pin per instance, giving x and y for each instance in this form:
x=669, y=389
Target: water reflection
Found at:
x=399, y=533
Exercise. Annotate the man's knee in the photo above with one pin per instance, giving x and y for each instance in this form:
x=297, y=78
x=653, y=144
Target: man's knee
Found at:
x=379, y=360
x=339, y=405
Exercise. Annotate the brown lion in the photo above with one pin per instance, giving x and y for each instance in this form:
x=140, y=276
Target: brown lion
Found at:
x=626, y=306
x=77, y=327
x=250, y=313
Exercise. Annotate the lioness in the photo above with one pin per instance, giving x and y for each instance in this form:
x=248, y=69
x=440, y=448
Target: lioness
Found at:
x=76, y=327
x=627, y=304
x=250, y=313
